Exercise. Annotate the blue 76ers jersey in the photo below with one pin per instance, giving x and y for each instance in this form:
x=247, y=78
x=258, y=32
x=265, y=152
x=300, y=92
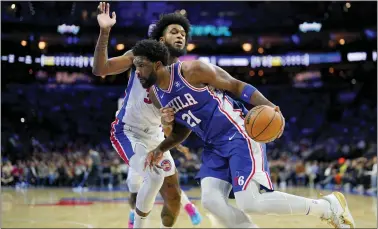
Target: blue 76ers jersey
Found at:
x=229, y=153
x=212, y=115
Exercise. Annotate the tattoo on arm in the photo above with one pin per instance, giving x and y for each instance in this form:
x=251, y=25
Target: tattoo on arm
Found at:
x=101, y=51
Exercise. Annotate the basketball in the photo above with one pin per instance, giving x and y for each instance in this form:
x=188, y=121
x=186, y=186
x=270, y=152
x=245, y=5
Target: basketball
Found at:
x=263, y=124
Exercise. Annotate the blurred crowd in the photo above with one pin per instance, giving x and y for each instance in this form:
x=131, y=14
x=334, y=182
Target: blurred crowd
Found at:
x=357, y=175
x=77, y=167
x=102, y=168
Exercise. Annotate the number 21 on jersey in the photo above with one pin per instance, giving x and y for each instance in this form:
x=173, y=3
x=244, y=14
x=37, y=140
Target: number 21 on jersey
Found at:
x=191, y=119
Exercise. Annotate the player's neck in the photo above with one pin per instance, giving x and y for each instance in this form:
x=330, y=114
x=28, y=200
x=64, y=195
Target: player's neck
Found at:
x=164, y=78
x=172, y=60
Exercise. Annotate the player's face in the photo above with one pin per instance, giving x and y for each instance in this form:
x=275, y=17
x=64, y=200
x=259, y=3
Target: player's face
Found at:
x=145, y=71
x=175, y=40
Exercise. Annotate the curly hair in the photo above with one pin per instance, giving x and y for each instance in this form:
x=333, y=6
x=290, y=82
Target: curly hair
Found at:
x=153, y=50
x=169, y=19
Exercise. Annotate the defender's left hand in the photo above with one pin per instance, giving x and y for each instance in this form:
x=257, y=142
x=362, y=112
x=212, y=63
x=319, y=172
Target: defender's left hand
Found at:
x=167, y=115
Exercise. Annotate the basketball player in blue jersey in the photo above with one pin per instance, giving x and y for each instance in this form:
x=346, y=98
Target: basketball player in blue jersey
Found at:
x=137, y=127
x=231, y=157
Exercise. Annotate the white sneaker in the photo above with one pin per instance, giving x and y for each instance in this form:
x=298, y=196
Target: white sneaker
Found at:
x=340, y=215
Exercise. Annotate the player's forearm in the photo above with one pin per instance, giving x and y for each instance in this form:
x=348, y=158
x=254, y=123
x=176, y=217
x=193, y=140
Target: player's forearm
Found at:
x=258, y=99
x=101, y=53
x=167, y=130
x=174, y=139
x=250, y=94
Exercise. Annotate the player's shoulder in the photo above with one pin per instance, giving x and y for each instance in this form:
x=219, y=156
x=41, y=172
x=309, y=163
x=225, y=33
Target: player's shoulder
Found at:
x=193, y=66
x=129, y=53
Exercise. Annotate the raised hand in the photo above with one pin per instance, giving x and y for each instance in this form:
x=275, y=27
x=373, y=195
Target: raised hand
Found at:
x=103, y=16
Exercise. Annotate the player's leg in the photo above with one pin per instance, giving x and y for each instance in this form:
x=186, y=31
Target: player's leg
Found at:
x=133, y=152
x=214, y=195
x=153, y=181
x=171, y=193
x=134, y=182
x=215, y=190
x=125, y=147
x=190, y=209
x=174, y=197
x=254, y=193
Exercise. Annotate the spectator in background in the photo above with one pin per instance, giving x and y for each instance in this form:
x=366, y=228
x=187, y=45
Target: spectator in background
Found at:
x=373, y=175
x=80, y=169
x=349, y=179
x=6, y=174
x=70, y=171
x=116, y=172
x=43, y=173
x=52, y=173
x=300, y=173
x=32, y=174
x=95, y=168
x=329, y=174
x=107, y=178
x=124, y=170
x=312, y=173
x=62, y=176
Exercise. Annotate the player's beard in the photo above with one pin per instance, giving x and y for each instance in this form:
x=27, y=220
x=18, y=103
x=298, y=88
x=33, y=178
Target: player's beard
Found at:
x=175, y=52
x=150, y=81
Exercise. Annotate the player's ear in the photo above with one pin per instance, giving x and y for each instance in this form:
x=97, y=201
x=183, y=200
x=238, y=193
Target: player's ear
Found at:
x=158, y=65
x=162, y=39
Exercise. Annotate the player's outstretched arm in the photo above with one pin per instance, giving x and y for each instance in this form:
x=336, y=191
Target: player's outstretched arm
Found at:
x=203, y=73
x=101, y=64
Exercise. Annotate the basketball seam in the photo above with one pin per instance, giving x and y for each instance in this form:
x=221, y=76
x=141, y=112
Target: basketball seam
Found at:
x=270, y=139
x=266, y=125
x=253, y=123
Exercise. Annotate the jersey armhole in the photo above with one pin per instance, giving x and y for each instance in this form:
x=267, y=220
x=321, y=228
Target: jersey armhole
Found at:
x=157, y=96
x=186, y=82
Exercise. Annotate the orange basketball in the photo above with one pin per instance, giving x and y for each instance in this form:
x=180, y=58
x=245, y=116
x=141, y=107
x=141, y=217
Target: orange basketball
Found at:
x=263, y=124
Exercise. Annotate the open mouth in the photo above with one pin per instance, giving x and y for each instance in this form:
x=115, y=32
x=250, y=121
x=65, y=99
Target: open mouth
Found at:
x=179, y=43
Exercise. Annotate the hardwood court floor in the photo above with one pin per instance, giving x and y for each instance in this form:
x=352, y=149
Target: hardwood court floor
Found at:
x=62, y=208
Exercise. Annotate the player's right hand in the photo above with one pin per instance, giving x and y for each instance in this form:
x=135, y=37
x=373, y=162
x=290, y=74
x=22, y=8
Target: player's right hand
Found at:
x=103, y=16
x=283, y=122
x=152, y=160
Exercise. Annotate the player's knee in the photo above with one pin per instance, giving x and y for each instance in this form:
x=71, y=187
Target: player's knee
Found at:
x=212, y=201
x=214, y=193
x=249, y=200
x=156, y=180
x=174, y=200
x=172, y=205
x=171, y=192
x=248, y=206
